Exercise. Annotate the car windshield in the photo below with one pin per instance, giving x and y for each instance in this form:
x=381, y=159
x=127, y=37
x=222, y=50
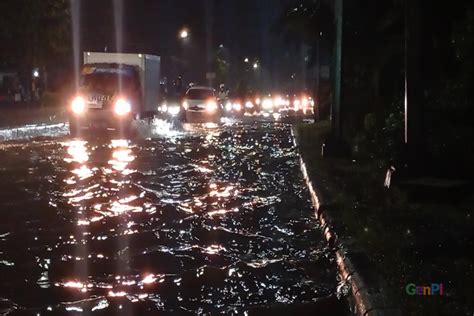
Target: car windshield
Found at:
x=200, y=94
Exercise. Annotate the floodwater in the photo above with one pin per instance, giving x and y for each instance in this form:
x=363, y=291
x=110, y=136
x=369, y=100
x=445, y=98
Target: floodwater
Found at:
x=205, y=220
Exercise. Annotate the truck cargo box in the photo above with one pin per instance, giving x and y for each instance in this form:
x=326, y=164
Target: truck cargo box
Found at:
x=149, y=66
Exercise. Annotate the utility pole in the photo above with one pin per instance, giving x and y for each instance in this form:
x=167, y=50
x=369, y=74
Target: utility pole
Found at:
x=336, y=106
x=413, y=88
x=317, y=107
x=209, y=40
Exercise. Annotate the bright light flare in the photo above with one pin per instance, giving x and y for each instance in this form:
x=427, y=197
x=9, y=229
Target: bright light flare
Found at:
x=237, y=107
x=149, y=279
x=122, y=107
x=173, y=110
x=297, y=104
x=184, y=34
x=78, y=105
x=211, y=106
x=267, y=104
x=278, y=101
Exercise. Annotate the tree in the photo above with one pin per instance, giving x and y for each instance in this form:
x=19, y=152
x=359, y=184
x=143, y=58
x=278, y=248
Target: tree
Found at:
x=309, y=23
x=33, y=32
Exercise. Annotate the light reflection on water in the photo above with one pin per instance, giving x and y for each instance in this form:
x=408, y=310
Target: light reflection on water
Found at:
x=217, y=220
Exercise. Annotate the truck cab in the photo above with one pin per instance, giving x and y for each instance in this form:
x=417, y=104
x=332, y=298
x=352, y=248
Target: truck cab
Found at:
x=114, y=90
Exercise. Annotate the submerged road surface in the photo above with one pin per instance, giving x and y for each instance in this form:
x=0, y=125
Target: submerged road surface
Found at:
x=207, y=220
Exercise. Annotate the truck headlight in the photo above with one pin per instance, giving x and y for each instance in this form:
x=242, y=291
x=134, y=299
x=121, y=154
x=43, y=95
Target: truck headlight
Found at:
x=122, y=107
x=211, y=106
x=78, y=105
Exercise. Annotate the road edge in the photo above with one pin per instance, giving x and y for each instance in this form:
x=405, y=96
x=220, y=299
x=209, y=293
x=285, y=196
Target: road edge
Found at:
x=361, y=300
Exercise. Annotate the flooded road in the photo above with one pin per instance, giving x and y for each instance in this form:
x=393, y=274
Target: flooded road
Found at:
x=205, y=220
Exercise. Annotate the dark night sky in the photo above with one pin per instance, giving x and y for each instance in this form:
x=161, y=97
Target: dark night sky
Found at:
x=151, y=26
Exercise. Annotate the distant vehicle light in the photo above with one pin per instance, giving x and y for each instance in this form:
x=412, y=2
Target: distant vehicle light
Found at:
x=173, y=110
x=278, y=101
x=164, y=108
x=297, y=104
x=228, y=106
x=122, y=107
x=257, y=101
x=237, y=107
x=267, y=104
x=185, y=105
x=305, y=102
x=211, y=106
x=78, y=105
x=249, y=105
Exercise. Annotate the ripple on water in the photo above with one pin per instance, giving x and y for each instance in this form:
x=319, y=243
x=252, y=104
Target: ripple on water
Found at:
x=216, y=219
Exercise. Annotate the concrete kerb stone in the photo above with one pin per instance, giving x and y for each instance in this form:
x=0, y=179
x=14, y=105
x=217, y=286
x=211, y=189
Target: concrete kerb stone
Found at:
x=363, y=303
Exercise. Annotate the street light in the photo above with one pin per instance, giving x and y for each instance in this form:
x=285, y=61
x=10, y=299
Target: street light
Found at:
x=184, y=34
x=255, y=66
x=246, y=60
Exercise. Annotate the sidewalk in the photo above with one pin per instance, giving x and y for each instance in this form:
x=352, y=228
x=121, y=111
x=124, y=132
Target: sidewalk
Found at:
x=19, y=114
x=399, y=236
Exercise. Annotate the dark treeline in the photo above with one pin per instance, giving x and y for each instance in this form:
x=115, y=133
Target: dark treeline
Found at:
x=375, y=53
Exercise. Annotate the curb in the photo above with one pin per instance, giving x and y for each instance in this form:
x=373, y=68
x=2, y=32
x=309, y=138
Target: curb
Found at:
x=362, y=301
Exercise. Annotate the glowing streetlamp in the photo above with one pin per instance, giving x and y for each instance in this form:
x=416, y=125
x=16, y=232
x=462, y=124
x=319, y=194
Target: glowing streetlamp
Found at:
x=184, y=34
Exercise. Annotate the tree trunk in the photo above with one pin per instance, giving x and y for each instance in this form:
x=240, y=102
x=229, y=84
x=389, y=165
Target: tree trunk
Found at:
x=413, y=87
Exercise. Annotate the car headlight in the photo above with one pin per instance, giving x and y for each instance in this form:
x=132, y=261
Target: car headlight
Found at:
x=78, y=105
x=228, y=106
x=185, y=105
x=211, y=106
x=267, y=104
x=173, y=110
x=164, y=107
x=249, y=105
x=122, y=107
x=237, y=107
x=278, y=101
x=296, y=104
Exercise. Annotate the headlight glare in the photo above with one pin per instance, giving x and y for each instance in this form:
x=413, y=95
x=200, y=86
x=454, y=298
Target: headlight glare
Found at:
x=122, y=107
x=78, y=105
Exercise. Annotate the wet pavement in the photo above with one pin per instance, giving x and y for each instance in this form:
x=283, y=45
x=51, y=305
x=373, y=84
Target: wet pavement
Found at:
x=205, y=219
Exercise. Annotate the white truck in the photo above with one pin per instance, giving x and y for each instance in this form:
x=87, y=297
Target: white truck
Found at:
x=114, y=90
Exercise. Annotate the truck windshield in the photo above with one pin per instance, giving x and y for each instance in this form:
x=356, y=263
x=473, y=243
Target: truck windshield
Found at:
x=108, y=83
x=200, y=94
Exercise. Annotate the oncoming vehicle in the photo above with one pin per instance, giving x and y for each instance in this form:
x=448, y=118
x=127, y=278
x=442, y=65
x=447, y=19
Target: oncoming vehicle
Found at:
x=234, y=107
x=114, y=90
x=201, y=105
